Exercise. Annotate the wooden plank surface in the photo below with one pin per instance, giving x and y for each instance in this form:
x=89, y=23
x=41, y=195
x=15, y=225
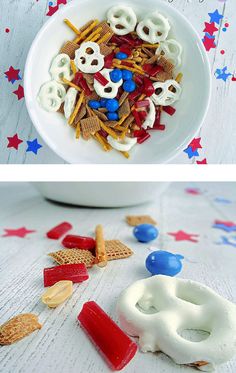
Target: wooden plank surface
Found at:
x=61, y=346
x=24, y=19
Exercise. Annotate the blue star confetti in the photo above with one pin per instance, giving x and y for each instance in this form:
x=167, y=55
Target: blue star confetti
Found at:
x=33, y=146
x=222, y=200
x=222, y=74
x=227, y=241
x=189, y=151
x=225, y=228
x=215, y=17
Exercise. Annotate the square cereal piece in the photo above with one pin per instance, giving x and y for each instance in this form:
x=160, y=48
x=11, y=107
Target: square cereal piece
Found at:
x=152, y=60
x=123, y=97
x=115, y=249
x=105, y=29
x=124, y=109
x=162, y=76
x=167, y=65
x=100, y=115
x=69, y=48
x=73, y=256
x=111, y=123
x=105, y=50
x=134, y=220
x=90, y=126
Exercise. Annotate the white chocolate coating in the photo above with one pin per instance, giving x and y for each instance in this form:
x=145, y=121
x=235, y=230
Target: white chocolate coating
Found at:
x=172, y=50
x=153, y=28
x=124, y=16
x=123, y=145
x=150, y=120
x=51, y=95
x=69, y=103
x=88, y=58
x=60, y=68
x=159, y=308
x=166, y=97
x=111, y=89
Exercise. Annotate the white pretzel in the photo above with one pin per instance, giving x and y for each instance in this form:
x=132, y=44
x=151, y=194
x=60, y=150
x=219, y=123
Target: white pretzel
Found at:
x=51, y=95
x=160, y=308
x=69, y=103
x=150, y=119
x=88, y=58
x=123, y=145
x=153, y=28
x=60, y=68
x=164, y=95
x=123, y=16
x=111, y=89
x=172, y=50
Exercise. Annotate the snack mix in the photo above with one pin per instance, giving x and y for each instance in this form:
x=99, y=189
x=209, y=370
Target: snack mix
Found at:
x=115, y=78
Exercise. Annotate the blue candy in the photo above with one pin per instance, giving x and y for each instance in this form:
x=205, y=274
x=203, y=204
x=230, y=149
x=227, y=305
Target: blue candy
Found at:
x=112, y=116
x=116, y=75
x=127, y=75
x=164, y=263
x=112, y=105
x=129, y=86
x=121, y=56
x=93, y=104
x=103, y=102
x=145, y=232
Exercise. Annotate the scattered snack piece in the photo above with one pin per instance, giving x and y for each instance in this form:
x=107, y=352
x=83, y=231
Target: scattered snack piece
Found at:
x=116, y=347
x=69, y=48
x=134, y=220
x=57, y=293
x=105, y=50
x=72, y=241
x=101, y=255
x=123, y=97
x=124, y=109
x=165, y=64
x=73, y=272
x=73, y=256
x=115, y=249
x=58, y=231
x=18, y=327
x=90, y=126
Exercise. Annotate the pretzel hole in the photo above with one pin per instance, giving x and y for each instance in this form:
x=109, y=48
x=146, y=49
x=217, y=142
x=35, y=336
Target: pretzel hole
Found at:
x=194, y=335
x=118, y=14
x=188, y=298
x=158, y=91
x=128, y=19
x=149, y=311
x=172, y=89
x=94, y=63
x=59, y=93
x=120, y=27
x=108, y=90
x=159, y=33
x=62, y=62
x=89, y=51
x=83, y=60
x=146, y=30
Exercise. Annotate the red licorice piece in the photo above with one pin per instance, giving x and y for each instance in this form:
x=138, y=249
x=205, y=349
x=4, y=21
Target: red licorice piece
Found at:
x=158, y=117
x=58, y=231
x=147, y=67
x=158, y=127
x=135, y=94
x=142, y=103
x=101, y=79
x=143, y=138
x=148, y=87
x=77, y=78
x=124, y=48
x=128, y=64
x=137, y=118
x=108, y=60
x=138, y=79
x=169, y=110
x=155, y=70
x=72, y=241
x=140, y=133
x=116, y=40
x=128, y=39
x=138, y=42
x=142, y=114
x=115, y=346
x=83, y=84
x=73, y=272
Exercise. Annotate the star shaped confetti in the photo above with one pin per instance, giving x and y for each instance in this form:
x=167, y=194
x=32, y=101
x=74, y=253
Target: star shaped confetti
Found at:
x=183, y=236
x=204, y=161
x=193, y=191
x=222, y=200
x=195, y=144
x=14, y=142
x=227, y=226
x=19, y=92
x=222, y=74
x=215, y=17
x=33, y=146
x=226, y=241
x=20, y=232
x=12, y=74
x=191, y=153
x=210, y=28
x=209, y=43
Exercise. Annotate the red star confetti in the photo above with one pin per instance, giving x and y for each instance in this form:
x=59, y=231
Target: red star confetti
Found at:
x=204, y=161
x=14, y=142
x=226, y=223
x=210, y=28
x=19, y=93
x=209, y=43
x=183, y=236
x=12, y=74
x=193, y=191
x=195, y=144
x=234, y=79
x=20, y=232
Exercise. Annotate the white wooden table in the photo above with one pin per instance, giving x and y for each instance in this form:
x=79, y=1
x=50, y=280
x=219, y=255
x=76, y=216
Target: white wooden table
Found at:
x=24, y=19
x=61, y=346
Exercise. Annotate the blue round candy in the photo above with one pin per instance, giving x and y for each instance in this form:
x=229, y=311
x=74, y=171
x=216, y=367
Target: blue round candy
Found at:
x=112, y=105
x=145, y=232
x=103, y=102
x=121, y=56
x=164, y=263
x=129, y=86
x=93, y=104
x=127, y=75
x=112, y=116
x=116, y=75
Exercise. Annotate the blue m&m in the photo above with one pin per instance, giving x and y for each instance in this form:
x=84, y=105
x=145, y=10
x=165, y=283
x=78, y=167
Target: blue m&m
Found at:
x=103, y=102
x=121, y=56
x=112, y=105
x=116, y=75
x=127, y=75
x=145, y=232
x=164, y=263
x=112, y=116
x=129, y=86
x=93, y=104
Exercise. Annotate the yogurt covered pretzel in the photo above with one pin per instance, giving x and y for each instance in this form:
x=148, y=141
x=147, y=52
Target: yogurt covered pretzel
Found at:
x=160, y=308
x=164, y=94
x=88, y=58
x=60, y=68
x=111, y=89
x=153, y=28
x=122, y=19
x=172, y=50
x=51, y=95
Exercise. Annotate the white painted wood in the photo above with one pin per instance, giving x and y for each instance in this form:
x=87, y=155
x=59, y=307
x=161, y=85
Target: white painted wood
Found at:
x=25, y=18
x=61, y=346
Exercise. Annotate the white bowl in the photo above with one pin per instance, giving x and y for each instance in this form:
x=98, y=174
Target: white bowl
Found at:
x=163, y=145
x=104, y=194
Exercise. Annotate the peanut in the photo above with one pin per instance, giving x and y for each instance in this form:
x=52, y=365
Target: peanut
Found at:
x=57, y=293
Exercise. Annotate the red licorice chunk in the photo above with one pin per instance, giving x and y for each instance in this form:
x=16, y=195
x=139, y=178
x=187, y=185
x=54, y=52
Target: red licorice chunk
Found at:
x=143, y=138
x=101, y=79
x=73, y=272
x=137, y=118
x=148, y=88
x=58, y=231
x=72, y=241
x=169, y=110
x=142, y=103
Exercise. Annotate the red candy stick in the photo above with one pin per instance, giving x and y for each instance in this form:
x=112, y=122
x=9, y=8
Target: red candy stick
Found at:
x=140, y=133
x=148, y=87
x=72, y=241
x=147, y=67
x=155, y=70
x=137, y=118
x=143, y=103
x=128, y=39
x=83, y=84
x=143, y=138
x=101, y=79
x=115, y=346
x=58, y=231
x=138, y=79
x=135, y=94
x=78, y=76
x=169, y=110
x=124, y=48
x=142, y=115
x=158, y=127
x=108, y=60
x=73, y=272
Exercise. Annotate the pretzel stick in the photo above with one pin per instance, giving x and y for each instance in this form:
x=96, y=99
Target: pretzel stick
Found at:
x=151, y=46
x=97, y=31
x=73, y=67
x=77, y=131
x=107, y=147
x=101, y=256
x=95, y=38
x=125, y=154
x=107, y=129
x=179, y=77
x=77, y=107
x=104, y=38
x=71, y=26
x=86, y=31
x=71, y=84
